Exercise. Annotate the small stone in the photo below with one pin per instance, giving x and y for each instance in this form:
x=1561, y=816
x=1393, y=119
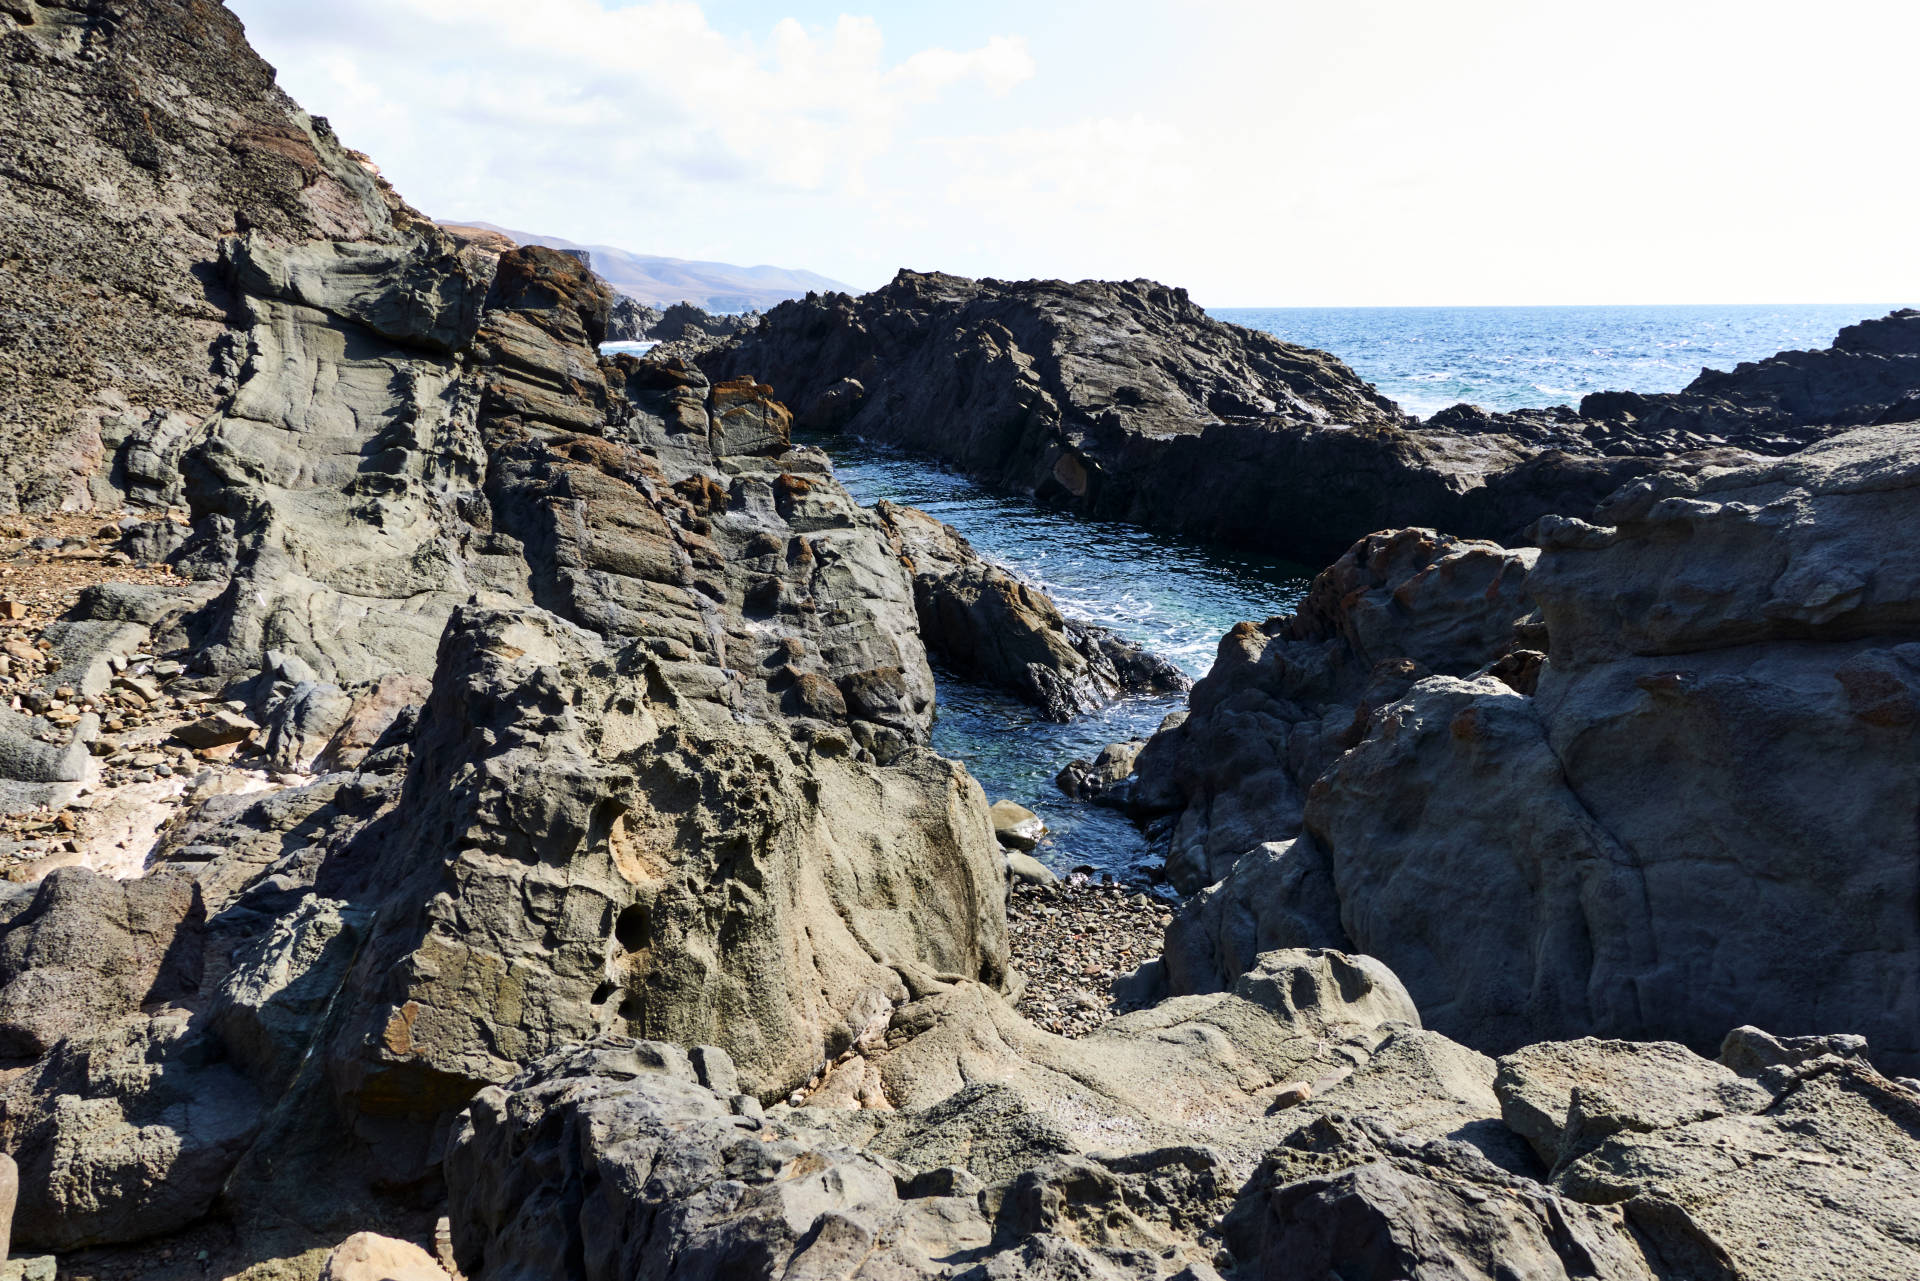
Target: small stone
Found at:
x=1025, y=867
x=222, y=727
x=1017, y=826
x=147, y=690
x=13, y=609
x=1292, y=1094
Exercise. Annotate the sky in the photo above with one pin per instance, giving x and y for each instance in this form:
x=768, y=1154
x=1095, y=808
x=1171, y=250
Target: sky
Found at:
x=1357, y=153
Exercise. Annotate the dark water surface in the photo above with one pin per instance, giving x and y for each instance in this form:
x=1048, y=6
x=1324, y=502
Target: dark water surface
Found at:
x=1174, y=597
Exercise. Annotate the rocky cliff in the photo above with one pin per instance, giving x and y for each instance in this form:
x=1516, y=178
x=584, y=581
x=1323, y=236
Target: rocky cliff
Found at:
x=138, y=136
x=600, y=911
x=1124, y=400
x=1655, y=776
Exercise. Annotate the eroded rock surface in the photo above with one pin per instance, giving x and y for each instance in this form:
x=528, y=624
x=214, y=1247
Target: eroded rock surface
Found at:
x=607, y=897
x=1286, y=697
x=1688, y=817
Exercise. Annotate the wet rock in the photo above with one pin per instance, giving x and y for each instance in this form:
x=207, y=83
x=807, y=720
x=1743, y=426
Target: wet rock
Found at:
x=1016, y=826
x=991, y=626
x=1102, y=780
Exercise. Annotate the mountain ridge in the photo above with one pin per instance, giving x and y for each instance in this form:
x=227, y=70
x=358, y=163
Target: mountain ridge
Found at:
x=661, y=281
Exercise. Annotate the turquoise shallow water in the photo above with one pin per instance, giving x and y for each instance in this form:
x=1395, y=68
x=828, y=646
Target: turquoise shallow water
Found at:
x=1427, y=358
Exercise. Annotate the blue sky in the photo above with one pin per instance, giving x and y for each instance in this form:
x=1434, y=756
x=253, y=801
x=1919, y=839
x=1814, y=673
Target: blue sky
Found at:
x=1261, y=154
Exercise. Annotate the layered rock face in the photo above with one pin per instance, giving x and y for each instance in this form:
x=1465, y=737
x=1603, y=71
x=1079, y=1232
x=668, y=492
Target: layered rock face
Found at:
x=1124, y=400
x=136, y=137
x=629, y=924
x=1692, y=814
x=670, y=778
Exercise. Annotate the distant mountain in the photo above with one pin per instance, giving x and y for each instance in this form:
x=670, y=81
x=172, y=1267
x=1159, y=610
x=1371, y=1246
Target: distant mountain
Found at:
x=660, y=282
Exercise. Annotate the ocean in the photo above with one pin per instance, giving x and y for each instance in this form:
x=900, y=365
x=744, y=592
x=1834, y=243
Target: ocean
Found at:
x=1427, y=358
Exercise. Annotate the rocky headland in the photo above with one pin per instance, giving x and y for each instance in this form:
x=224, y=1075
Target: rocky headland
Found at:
x=573, y=892
x=1123, y=399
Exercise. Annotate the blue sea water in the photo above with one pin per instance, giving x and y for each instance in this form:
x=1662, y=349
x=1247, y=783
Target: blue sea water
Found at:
x=1427, y=358
x=1172, y=596
x=1178, y=597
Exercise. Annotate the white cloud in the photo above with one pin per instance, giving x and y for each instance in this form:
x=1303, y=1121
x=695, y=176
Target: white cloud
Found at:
x=1256, y=151
x=463, y=103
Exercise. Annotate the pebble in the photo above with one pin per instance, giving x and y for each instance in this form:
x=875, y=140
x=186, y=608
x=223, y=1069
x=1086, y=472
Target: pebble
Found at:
x=1070, y=941
x=45, y=562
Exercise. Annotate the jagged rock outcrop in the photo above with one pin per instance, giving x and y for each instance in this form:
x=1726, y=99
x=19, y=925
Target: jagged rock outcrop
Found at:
x=1124, y=400
x=676, y=751
x=684, y=320
x=135, y=138
x=1697, y=818
x=418, y=465
x=633, y=923
x=1288, y=696
x=1091, y=1159
x=990, y=626
x=630, y=320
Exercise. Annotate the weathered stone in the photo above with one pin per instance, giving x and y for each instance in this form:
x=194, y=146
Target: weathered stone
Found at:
x=1026, y=867
x=368, y=1256
x=1016, y=826
x=990, y=626
x=216, y=729
x=90, y=950
x=1287, y=697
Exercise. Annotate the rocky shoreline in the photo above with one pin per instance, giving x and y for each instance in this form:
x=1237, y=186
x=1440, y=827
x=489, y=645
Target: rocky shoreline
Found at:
x=1124, y=400
x=602, y=911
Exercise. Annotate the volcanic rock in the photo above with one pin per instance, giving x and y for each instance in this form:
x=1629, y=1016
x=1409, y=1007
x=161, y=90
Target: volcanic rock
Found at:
x=1613, y=854
x=991, y=626
x=630, y=320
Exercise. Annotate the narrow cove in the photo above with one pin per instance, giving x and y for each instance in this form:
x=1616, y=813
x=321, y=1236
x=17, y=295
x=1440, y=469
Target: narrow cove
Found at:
x=1172, y=596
